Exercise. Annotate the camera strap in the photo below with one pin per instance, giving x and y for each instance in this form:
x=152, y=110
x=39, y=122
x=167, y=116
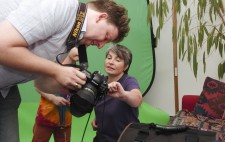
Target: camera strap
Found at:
x=73, y=37
x=83, y=57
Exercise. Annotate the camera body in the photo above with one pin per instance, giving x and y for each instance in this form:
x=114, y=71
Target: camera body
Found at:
x=83, y=100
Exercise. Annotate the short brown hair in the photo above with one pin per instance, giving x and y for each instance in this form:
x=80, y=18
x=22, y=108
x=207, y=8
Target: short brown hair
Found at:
x=118, y=16
x=123, y=53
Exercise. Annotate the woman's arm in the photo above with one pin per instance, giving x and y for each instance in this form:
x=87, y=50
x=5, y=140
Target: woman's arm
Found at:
x=132, y=97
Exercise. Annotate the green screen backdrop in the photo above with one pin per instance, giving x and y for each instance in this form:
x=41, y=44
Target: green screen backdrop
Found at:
x=139, y=42
x=142, y=68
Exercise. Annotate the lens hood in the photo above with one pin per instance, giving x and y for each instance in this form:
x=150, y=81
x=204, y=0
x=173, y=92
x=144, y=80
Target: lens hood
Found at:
x=79, y=106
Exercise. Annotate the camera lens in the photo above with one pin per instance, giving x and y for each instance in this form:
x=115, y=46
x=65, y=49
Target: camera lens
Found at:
x=83, y=100
x=79, y=106
x=89, y=93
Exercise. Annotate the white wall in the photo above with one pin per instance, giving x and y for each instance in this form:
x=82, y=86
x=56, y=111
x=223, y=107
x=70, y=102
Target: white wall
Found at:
x=161, y=94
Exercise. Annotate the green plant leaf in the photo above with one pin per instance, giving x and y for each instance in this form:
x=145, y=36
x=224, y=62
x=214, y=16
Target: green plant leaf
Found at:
x=180, y=28
x=202, y=31
x=223, y=69
x=157, y=9
x=189, y=50
x=195, y=63
x=210, y=13
x=221, y=29
x=200, y=38
x=178, y=7
x=219, y=69
x=195, y=42
x=180, y=46
x=184, y=54
x=183, y=41
x=209, y=44
x=221, y=49
x=160, y=8
x=204, y=3
x=158, y=33
x=206, y=30
x=210, y=41
x=149, y=18
x=165, y=8
x=220, y=3
x=186, y=24
x=185, y=2
x=224, y=47
x=204, y=63
x=161, y=22
x=216, y=41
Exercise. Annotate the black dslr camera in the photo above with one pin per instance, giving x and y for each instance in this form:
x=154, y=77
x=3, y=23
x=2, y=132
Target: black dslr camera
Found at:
x=83, y=100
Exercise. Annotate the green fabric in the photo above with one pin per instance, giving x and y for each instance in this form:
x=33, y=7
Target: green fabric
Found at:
x=139, y=41
x=150, y=114
x=27, y=113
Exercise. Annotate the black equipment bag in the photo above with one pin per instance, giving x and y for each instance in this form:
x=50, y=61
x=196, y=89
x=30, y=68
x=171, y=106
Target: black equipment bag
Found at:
x=140, y=132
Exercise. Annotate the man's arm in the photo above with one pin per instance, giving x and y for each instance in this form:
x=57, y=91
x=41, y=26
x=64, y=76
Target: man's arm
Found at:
x=48, y=84
x=14, y=54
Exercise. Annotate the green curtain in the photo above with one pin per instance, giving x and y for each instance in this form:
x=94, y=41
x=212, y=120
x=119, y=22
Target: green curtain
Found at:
x=138, y=40
x=142, y=68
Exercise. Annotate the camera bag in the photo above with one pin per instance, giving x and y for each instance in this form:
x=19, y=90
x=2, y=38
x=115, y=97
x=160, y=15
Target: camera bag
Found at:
x=141, y=132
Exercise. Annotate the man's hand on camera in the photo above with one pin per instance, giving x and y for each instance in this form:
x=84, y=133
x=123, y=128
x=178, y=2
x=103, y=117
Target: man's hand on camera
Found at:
x=65, y=79
x=70, y=77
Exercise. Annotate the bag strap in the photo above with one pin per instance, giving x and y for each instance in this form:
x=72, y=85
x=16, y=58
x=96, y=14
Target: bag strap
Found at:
x=73, y=37
x=62, y=113
x=62, y=116
x=141, y=135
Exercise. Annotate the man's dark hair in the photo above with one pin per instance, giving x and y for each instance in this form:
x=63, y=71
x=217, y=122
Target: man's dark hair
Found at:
x=118, y=16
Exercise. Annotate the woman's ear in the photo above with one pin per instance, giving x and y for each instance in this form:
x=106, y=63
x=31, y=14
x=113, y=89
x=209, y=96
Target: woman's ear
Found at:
x=126, y=67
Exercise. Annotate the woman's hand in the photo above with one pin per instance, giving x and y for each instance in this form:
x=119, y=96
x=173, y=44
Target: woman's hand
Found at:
x=116, y=90
x=132, y=97
x=94, y=125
